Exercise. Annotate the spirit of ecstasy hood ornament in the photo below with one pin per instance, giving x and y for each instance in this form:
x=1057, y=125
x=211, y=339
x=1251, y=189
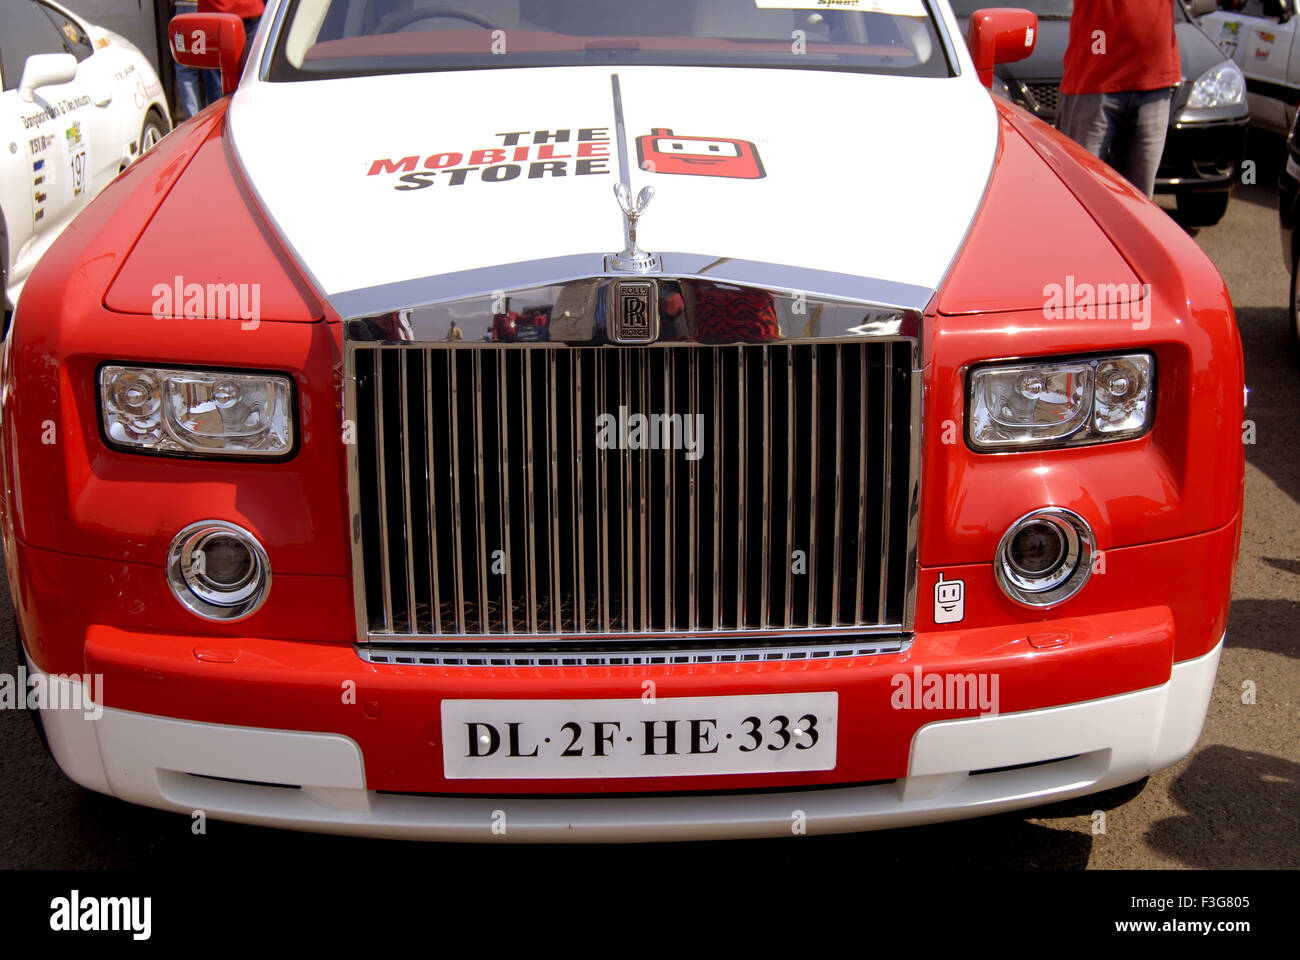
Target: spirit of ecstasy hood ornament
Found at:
x=633, y=258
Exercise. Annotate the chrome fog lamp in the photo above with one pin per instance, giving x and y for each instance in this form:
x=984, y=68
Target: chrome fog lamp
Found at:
x=218, y=570
x=1045, y=557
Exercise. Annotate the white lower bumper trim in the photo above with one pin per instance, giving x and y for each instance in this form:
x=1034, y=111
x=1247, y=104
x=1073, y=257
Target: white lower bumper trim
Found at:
x=314, y=781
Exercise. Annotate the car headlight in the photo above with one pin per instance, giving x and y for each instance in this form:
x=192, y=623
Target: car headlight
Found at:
x=189, y=412
x=1061, y=402
x=1220, y=86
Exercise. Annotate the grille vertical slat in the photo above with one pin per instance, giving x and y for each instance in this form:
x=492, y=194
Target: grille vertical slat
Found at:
x=408, y=551
x=886, y=466
x=643, y=490
x=787, y=559
x=479, y=449
x=503, y=492
x=764, y=619
x=839, y=488
x=480, y=505
x=813, y=439
x=670, y=510
x=455, y=474
x=430, y=475
x=602, y=493
x=860, y=581
x=625, y=468
x=717, y=491
x=530, y=530
x=553, y=485
x=576, y=423
x=693, y=384
x=742, y=485
x=384, y=527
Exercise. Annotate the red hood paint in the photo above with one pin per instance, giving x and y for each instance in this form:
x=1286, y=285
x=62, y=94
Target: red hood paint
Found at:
x=211, y=201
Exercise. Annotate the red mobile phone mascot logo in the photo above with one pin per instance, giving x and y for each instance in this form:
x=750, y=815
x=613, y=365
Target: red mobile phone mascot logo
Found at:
x=662, y=151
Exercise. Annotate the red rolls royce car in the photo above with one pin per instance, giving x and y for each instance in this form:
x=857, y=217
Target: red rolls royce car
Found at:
x=534, y=421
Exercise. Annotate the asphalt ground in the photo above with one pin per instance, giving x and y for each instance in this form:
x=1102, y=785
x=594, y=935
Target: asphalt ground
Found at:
x=1233, y=803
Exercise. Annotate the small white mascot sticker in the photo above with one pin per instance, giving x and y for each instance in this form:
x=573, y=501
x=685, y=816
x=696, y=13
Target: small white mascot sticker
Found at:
x=949, y=600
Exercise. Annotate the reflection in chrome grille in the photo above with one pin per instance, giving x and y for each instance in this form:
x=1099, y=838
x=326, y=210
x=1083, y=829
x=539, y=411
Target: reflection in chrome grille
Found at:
x=492, y=503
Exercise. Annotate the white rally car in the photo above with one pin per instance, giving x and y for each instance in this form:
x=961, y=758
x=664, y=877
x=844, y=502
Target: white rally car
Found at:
x=77, y=104
x=1260, y=35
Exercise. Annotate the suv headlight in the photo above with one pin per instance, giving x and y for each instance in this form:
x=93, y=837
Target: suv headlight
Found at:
x=1060, y=402
x=196, y=412
x=1220, y=86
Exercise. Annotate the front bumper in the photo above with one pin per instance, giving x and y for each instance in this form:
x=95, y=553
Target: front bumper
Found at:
x=317, y=781
x=1202, y=157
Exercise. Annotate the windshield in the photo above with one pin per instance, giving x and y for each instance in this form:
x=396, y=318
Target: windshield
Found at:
x=1046, y=9
x=330, y=38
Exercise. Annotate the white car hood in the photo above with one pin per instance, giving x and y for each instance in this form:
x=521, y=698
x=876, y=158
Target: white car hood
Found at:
x=867, y=175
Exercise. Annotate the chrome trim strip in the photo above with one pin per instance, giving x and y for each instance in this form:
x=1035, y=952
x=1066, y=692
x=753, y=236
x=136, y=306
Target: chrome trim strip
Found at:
x=431, y=474
x=580, y=527
x=693, y=406
x=602, y=496
x=813, y=432
x=553, y=475
x=643, y=494
x=717, y=490
x=860, y=581
x=530, y=531
x=456, y=526
x=406, y=495
x=949, y=46
x=377, y=653
x=272, y=37
x=765, y=551
x=628, y=604
x=886, y=465
x=917, y=430
x=742, y=483
x=790, y=451
x=360, y=605
x=480, y=507
x=489, y=281
x=383, y=497
x=703, y=638
x=503, y=435
x=838, y=513
x=670, y=468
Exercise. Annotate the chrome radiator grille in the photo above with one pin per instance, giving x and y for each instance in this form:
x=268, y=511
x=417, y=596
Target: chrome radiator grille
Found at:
x=509, y=495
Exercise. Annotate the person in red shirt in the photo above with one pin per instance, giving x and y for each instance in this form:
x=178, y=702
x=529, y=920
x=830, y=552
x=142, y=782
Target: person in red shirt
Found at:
x=1121, y=68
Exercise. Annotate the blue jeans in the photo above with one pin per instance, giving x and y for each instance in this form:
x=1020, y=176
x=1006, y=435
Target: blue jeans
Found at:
x=1127, y=129
x=189, y=97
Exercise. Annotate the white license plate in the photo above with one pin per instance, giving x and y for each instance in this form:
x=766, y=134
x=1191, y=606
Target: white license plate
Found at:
x=664, y=737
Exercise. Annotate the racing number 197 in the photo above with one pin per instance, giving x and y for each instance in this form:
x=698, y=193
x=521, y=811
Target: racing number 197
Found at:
x=78, y=164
